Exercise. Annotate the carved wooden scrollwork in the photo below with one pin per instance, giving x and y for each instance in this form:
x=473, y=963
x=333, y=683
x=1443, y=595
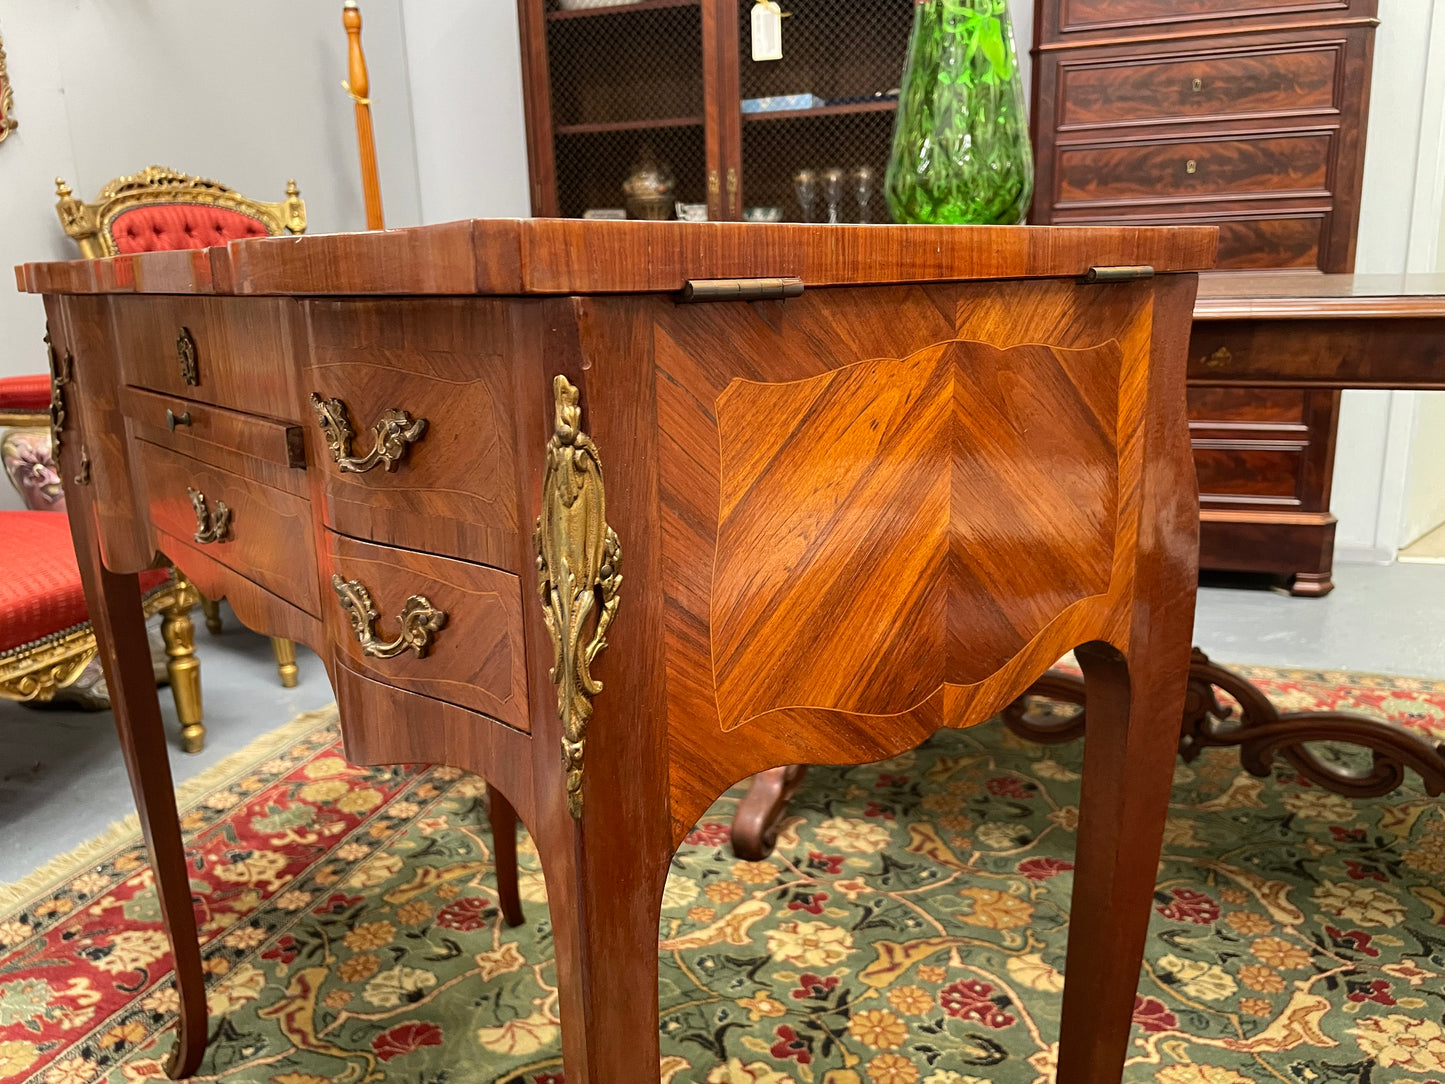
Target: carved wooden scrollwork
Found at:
x=393, y=433
x=420, y=621
x=579, y=574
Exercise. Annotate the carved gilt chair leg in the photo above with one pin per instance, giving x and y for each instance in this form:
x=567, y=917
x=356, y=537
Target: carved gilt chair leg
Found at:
x=503, y=820
x=212, y=609
x=182, y=666
x=285, y=652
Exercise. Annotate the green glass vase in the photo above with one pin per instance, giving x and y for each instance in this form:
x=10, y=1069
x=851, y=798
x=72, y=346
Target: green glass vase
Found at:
x=961, y=149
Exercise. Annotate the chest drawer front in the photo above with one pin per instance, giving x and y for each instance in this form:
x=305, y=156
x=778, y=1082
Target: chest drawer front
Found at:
x=268, y=451
x=1188, y=88
x=1241, y=166
x=265, y=534
x=466, y=618
x=1090, y=14
x=435, y=377
x=1264, y=473
x=233, y=352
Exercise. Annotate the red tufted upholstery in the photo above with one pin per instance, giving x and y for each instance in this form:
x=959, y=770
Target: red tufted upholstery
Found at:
x=155, y=227
x=40, y=590
x=25, y=392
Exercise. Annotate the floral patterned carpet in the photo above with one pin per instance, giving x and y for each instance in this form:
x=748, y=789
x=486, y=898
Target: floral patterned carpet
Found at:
x=910, y=928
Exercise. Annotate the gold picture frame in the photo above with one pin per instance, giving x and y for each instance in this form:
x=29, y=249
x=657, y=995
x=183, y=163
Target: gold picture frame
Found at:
x=8, y=123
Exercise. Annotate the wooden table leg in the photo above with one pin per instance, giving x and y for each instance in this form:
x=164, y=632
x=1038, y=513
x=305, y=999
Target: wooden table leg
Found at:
x=503, y=821
x=760, y=814
x=1128, y=769
x=115, y=613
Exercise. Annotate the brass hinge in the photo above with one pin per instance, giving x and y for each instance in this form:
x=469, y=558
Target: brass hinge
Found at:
x=741, y=289
x=1127, y=273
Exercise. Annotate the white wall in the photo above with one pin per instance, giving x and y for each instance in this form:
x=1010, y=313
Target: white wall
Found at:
x=465, y=60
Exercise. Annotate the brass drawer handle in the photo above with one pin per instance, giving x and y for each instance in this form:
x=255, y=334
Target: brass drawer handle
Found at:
x=212, y=524
x=419, y=621
x=393, y=433
x=173, y=419
x=186, y=355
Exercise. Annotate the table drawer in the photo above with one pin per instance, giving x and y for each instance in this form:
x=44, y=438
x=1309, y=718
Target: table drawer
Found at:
x=234, y=352
x=1239, y=166
x=451, y=485
x=467, y=619
x=1247, y=406
x=265, y=534
x=268, y=451
x=1145, y=89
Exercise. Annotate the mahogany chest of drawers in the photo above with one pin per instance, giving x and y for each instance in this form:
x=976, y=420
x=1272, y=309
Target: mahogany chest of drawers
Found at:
x=1244, y=114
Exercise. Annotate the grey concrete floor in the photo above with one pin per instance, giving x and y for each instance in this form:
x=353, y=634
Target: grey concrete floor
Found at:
x=62, y=781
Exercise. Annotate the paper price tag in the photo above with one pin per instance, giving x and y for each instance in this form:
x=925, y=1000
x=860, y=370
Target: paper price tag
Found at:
x=767, y=30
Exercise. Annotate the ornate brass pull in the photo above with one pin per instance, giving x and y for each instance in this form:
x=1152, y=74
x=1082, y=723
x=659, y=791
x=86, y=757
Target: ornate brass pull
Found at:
x=212, y=524
x=186, y=355
x=173, y=419
x=419, y=621
x=393, y=433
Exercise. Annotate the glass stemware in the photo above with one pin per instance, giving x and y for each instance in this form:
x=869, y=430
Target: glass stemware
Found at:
x=863, y=190
x=805, y=187
x=833, y=192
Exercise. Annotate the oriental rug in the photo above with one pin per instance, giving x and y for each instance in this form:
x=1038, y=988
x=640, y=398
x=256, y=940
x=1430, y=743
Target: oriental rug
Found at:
x=909, y=930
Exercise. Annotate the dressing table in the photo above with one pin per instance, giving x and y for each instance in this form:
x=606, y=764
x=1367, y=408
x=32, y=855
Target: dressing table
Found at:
x=860, y=483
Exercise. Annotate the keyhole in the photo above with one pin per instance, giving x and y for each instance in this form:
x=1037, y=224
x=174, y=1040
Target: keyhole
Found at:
x=1191, y=166
x=1198, y=85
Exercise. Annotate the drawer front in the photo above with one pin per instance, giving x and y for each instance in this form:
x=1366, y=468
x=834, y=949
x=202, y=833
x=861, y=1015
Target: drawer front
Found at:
x=1187, y=88
x=268, y=451
x=1257, y=472
x=451, y=486
x=1242, y=406
x=233, y=352
x=473, y=656
x=264, y=534
x=1242, y=166
x=1257, y=243
x=1087, y=14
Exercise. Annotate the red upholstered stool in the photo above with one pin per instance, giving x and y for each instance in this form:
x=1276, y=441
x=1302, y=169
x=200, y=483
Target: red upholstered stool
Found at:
x=46, y=640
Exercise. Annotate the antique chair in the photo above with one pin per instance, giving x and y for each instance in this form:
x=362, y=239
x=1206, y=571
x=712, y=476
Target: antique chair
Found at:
x=45, y=641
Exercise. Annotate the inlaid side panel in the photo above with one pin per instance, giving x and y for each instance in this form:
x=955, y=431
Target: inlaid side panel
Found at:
x=865, y=514
x=747, y=470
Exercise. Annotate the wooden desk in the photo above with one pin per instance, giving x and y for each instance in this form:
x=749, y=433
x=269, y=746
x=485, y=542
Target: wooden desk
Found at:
x=849, y=499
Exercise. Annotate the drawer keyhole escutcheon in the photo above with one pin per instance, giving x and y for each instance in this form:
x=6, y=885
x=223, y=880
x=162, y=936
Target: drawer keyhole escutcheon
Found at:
x=1191, y=166
x=393, y=433
x=420, y=621
x=186, y=355
x=1197, y=85
x=212, y=524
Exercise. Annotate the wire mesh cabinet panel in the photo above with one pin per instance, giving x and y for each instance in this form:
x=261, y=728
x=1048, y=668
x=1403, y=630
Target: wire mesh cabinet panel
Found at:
x=810, y=132
x=609, y=84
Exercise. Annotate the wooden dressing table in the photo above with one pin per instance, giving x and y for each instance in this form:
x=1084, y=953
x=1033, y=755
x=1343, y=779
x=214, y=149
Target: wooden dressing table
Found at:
x=861, y=483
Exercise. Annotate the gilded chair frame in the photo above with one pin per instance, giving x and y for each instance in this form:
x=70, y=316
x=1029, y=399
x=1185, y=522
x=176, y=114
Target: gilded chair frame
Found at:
x=89, y=224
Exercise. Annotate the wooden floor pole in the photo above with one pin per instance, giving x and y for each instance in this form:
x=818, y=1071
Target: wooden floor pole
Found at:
x=359, y=86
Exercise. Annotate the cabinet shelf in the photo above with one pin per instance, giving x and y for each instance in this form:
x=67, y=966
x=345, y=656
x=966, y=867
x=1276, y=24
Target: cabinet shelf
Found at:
x=629, y=125
x=886, y=105
x=619, y=9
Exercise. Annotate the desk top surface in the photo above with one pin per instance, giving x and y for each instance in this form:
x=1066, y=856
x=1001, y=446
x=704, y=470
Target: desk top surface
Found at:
x=1288, y=295
x=571, y=256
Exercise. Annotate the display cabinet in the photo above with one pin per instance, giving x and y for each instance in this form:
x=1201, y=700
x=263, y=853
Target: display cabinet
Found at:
x=804, y=137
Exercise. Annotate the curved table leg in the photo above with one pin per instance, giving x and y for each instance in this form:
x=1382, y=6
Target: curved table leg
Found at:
x=503, y=820
x=119, y=623
x=760, y=814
